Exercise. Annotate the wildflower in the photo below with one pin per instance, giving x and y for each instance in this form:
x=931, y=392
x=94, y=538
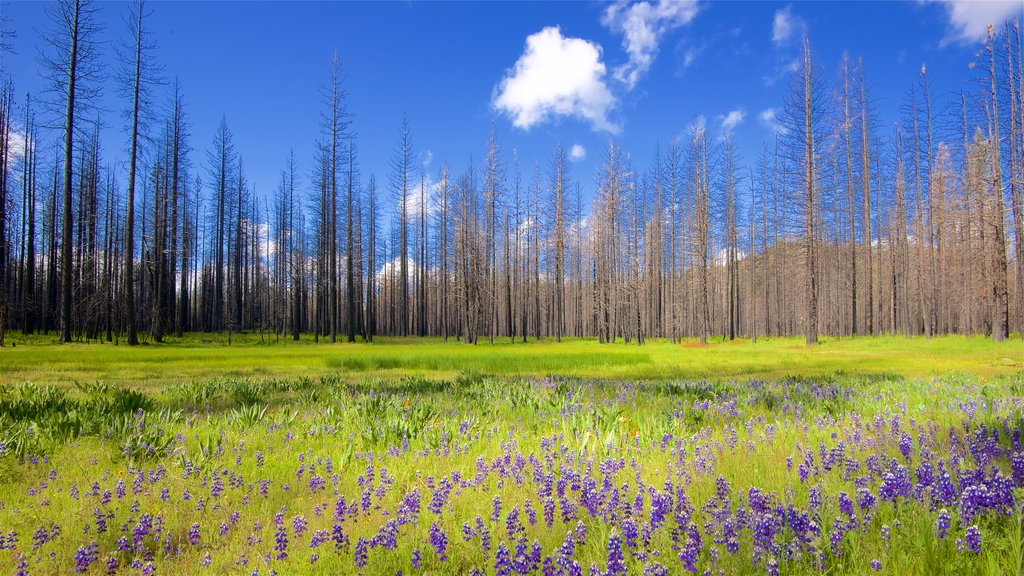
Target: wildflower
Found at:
x=973, y=539
x=942, y=525
x=85, y=556
x=616, y=565
x=439, y=541
x=496, y=512
x=281, y=542
x=361, y=553
x=502, y=561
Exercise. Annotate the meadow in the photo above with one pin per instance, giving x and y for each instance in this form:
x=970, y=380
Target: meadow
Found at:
x=38, y=359
x=887, y=456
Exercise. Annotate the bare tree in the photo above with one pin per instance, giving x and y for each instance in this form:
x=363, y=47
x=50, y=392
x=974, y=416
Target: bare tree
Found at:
x=75, y=72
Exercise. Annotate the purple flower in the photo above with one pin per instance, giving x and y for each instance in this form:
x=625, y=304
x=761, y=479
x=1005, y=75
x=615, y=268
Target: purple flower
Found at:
x=299, y=525
x=361, y=553
x=512, y=525
x=876, y=565
x=502, y=561
x=417, y=560
x=439, y=541
x=616, y=564
x=496, y=511
x=281, y=542
x=319, y=537
x=942, y=525
x=845, y=504
x=691, y=550
x=85, y=556
x=973, y=539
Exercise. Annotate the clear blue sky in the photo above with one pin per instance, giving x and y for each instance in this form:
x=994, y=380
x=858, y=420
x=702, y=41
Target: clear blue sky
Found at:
x=640, y=72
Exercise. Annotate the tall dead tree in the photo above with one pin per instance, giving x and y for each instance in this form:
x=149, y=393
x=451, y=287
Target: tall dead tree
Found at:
x=74, y=72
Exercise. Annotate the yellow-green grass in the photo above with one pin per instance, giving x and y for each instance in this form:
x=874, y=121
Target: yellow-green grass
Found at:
x=196, y=357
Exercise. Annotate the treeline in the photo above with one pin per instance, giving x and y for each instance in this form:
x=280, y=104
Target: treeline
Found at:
x=841, y=225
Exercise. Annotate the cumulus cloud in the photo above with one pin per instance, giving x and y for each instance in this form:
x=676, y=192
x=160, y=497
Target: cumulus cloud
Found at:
x=16, y=146
x=556, y=76
x=733, y=119
x=785, y=25
x=769, y=118
x=577, y=153
x=969, y=19
x=642, y=26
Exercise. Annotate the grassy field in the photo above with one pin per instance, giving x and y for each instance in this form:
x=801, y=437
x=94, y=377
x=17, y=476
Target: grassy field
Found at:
x=858, y=456
x=38, y=359
x=483, y=475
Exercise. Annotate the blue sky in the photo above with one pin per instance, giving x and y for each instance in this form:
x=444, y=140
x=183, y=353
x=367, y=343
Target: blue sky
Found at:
x=575, y=72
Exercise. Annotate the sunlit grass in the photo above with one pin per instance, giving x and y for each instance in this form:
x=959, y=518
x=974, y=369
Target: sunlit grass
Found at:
x=41, y=360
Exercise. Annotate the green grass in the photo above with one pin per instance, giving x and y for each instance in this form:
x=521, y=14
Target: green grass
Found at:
x=96, y=434
x=100, y=454
x=39, y=359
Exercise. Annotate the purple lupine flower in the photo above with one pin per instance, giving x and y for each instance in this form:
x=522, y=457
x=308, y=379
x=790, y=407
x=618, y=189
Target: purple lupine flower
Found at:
x=281, y=542
x=691, y=550
x=895, y=483
x=416, y=559
x=865, y=499
x=512, y=525
x=318, y=538
x=973, y=539
x=439, y=541
x=616, y=564
x=85, y=556
x=502, y=561
x=549, y=511
x=655, y=569
x=299, y=525
x=361, y=553
x=845, y=504
x=876, y=565
x=835, y=537
x=193, y=534
x=1017, y=469
x=485, y=535
x=630, y=532
x=496, y=511
x=942, y=525
x=568, y=547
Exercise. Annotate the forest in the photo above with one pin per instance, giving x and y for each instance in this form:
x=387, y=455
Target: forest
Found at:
x=838, y=225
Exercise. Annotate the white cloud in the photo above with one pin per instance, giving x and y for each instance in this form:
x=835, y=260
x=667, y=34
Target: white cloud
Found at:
x=556, y=76
x=642, y=26
x=421, y=191
x=577, y=153
x=733, y=119
x=769, y=118
x=690, y=55
x=785, y=25
x=969, y=19
x=16, y=146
